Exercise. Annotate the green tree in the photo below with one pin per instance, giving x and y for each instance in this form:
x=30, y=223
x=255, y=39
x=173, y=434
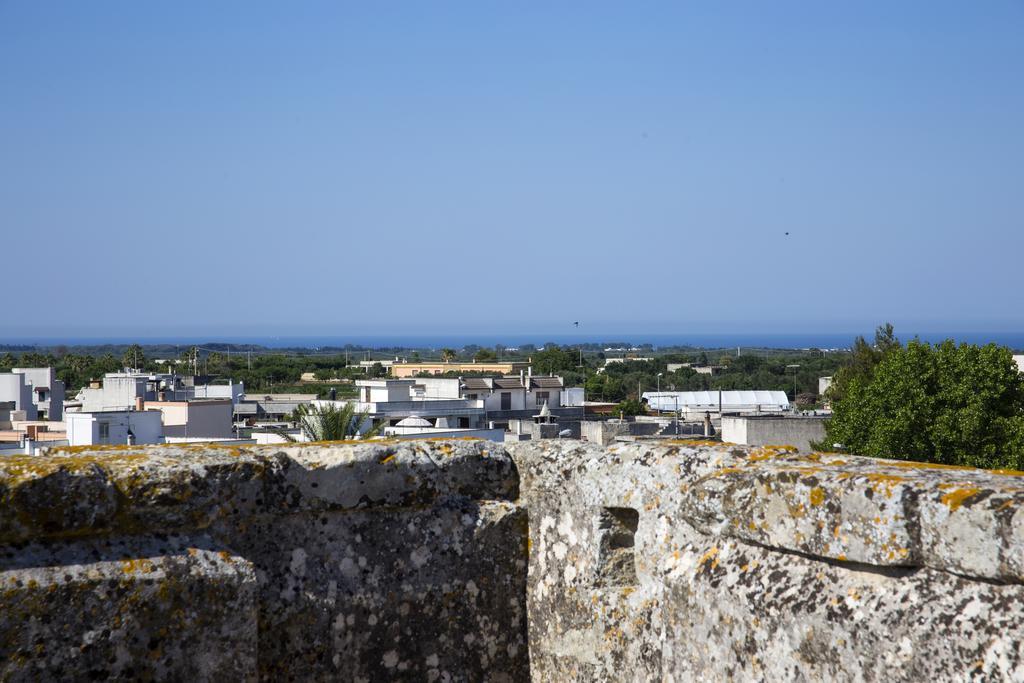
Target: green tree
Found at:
x=328, y=422
x=485, y=356
x=863, y=360
x=947, y=404
x=448, y=355
x=553, y=360
x=631, y=406
x=133, y=357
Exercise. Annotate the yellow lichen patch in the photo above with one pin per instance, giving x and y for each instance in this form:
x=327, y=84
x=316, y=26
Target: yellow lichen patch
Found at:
x=1008, y=473
x=710, y=556
x=817, y=496
x=133, y=566
x=769, y=452
x=387, y=458
x=955, y=497
x=694, y=442
x=884, y=483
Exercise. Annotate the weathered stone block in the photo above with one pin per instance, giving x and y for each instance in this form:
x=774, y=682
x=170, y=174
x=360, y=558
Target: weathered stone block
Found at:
x=147, y=608
x=419, y=595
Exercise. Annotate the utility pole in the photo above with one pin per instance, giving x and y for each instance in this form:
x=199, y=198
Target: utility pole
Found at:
x=795, y=367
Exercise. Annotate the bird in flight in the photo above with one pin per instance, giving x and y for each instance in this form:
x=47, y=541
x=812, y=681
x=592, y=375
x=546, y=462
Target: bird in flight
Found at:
x=576, y=324
x=787, y=233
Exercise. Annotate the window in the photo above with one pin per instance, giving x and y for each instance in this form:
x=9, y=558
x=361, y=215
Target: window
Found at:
x=104, y=430
x=542, y=397
x=471, y=396
x=506, y=400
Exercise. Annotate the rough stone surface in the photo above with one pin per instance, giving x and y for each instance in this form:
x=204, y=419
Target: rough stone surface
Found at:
x=358, y=562
x=464, y=561
x=144, y=608
x=744, y=566
x=425, y=595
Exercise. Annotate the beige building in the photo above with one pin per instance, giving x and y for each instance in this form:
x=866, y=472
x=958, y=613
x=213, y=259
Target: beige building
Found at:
x=405, y=370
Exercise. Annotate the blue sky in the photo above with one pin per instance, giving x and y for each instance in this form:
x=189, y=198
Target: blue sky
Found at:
x=360, y=168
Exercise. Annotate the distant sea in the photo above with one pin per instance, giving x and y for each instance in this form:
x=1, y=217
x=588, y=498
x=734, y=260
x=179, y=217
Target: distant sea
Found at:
x=843, y=340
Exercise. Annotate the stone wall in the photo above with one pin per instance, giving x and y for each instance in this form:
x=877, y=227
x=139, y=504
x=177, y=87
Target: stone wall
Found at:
x=709, y=562
x=390, y=561
x=762, y=430
x=416, y=561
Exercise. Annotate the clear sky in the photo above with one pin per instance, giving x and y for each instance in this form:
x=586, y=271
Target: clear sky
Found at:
x=426, y=167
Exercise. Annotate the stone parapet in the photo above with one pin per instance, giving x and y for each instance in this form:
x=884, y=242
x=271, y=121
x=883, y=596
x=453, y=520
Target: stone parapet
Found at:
x=380, y=561
x=467, y=560
x=757, y=563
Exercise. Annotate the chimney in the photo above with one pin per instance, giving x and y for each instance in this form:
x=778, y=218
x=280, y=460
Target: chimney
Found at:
x=140, y=403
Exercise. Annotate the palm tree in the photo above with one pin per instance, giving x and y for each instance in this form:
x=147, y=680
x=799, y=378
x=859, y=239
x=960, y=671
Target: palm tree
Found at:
x=448, y=355
x=329, y=422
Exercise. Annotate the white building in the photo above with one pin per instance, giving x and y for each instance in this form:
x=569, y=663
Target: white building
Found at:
x=717, y=401
x=35, y=391
x=15, y=391
x=47, y=392
x=499, y=394
x=120, y=390
x=114, y=427
x=392, y=400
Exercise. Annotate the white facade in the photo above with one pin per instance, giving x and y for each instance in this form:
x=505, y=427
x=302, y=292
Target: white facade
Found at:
x=113, y=427
x=779, y=430
x=119, y=390
x=14, y=389
x=709, y=401
x=47, y=392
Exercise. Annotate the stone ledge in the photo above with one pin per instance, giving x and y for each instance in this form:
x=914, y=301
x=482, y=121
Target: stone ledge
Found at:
x=837, y=507
x=136, y=608
x=70, y=492
x=879, y=512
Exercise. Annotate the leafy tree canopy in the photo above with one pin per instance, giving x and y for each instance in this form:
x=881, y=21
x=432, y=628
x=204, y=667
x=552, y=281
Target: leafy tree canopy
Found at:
x=948, y=404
